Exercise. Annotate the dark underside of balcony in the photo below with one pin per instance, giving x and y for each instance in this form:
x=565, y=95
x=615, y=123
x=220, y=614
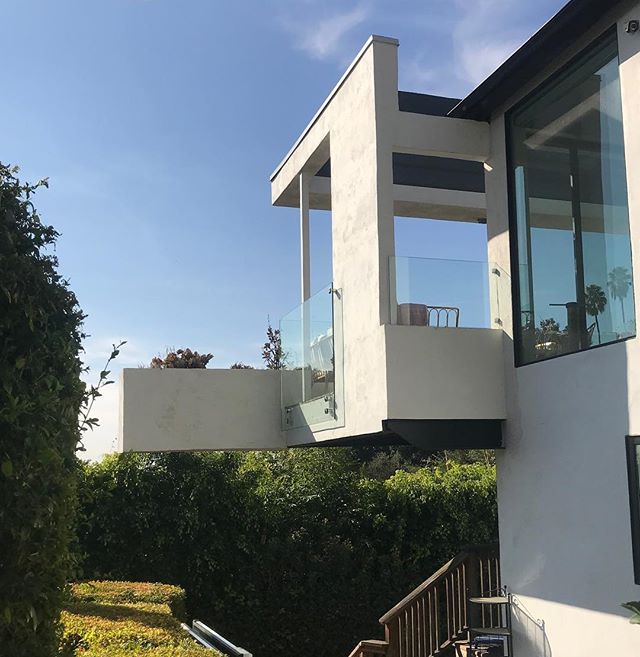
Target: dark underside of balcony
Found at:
x=429, y=435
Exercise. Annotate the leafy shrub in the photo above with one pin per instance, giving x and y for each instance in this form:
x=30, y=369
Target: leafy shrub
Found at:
x=181, y=359
x=132, y=593
x=124, y=619
x=284, y=553
x=634, y=607
x=40, y=398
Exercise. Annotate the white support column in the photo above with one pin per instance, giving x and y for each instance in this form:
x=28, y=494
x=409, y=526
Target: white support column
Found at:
x=305, y=284
x=305, y=258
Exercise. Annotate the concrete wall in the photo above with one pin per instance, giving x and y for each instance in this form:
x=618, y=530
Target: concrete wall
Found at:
x=440, y=373
x=563, y=502
x=360, y=127
x=189, y=410
x=362, y=225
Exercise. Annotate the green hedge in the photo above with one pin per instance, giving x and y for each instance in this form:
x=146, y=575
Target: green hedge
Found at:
x=40, y=398
x=125, y=619
x=284, y=553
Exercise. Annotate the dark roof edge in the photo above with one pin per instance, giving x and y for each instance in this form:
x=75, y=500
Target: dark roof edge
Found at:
x=533, y=56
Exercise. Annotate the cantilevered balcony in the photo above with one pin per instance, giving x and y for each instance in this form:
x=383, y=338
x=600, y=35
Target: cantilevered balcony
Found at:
x=432, y=376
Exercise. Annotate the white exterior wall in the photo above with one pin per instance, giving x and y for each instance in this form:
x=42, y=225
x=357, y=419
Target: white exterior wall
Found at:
x=362, y=227
x=360, y=127
x=444, y=373
x=563, y=504
x=192, y=410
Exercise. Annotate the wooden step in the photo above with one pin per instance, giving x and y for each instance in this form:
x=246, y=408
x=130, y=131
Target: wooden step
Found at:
x=491, y=631
x=495, y=600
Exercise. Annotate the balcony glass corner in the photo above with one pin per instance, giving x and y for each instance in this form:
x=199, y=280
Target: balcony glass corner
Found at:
x=312, y=379
x=449, y=293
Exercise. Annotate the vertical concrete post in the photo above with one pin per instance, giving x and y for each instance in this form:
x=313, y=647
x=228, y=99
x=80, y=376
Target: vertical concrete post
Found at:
x=305, y=284
x=305, y=263
x=362, y=223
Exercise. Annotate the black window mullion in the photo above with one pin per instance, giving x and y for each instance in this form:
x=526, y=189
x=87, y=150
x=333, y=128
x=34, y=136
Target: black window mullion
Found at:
x=633, y=447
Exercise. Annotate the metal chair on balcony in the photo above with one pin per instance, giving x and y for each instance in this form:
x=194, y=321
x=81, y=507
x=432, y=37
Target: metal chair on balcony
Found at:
x=420, y=314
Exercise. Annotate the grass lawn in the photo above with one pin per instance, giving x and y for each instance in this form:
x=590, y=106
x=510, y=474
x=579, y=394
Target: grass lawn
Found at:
x=128, y=619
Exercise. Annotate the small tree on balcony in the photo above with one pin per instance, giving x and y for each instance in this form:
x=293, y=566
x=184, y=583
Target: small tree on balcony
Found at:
x=272, y=353
x=181, y=359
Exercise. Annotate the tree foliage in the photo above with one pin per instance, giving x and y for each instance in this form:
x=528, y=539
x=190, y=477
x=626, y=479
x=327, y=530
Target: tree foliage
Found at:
x=181, y=359
x=272, y=353
x=40, y=398
x=292, y=552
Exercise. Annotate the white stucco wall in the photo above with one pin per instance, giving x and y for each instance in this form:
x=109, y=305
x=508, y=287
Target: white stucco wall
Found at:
x=360, y=127
x=562, y=485
x=440, y=373
x=190, y=410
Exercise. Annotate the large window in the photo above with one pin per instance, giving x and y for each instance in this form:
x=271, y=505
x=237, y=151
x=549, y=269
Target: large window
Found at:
x=633, y=463
x=574, y=286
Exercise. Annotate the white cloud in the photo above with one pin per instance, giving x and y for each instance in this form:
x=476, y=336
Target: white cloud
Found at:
x=476, y=38
x=487, y=32
x=322, y=36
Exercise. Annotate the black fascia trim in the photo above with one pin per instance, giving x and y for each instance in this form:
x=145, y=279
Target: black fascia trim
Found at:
x=634, y=502
x=447, y=434
x=430, y=171
x=379, y=439
x=532, y=57
x=428, y=104
x=513, y=247
x=431, y=436
x=438, y=172
x=513, y=234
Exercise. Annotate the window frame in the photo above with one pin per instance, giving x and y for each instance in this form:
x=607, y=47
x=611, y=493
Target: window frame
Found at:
x=609, y=33
x=633, y=463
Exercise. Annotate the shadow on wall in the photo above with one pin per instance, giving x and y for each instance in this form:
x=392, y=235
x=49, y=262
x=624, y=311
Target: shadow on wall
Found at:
x=532, y=633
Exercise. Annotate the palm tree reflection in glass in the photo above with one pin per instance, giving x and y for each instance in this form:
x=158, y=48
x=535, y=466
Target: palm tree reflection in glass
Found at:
x=619, y=285
x=595, y=302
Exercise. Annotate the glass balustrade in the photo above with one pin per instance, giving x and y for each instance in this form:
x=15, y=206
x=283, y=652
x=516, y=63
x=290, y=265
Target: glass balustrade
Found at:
x=311, y=336
x=448, y=293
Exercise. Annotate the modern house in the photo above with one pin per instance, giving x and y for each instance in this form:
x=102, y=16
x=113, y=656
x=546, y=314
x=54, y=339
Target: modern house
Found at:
x=532, y=352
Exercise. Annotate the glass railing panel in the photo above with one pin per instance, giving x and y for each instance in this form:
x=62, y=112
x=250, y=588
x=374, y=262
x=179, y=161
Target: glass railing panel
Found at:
x=448, y=293
x=311, y=362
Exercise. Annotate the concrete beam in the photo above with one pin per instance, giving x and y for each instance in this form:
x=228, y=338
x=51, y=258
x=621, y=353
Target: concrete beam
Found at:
x=432, y=203
x=408, y=201
x=441, y=136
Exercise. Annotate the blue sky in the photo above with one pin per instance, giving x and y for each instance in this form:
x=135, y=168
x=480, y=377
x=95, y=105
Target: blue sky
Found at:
x=158, y=123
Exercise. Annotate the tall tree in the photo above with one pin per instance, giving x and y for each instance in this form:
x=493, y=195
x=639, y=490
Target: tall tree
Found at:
x=41, y=396
x=272, y=353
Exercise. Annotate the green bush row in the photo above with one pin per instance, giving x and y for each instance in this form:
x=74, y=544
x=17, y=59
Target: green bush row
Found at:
x=284, y=553
x=125, y=619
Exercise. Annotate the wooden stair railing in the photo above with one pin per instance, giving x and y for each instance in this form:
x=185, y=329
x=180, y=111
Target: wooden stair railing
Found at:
x=369, y=648
x=437, y=614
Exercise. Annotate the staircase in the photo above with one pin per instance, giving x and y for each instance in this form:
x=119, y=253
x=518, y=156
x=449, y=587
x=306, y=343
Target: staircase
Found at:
x=460, y=610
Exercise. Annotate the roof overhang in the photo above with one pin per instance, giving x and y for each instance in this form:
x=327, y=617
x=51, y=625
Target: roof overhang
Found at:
x=540, y=51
